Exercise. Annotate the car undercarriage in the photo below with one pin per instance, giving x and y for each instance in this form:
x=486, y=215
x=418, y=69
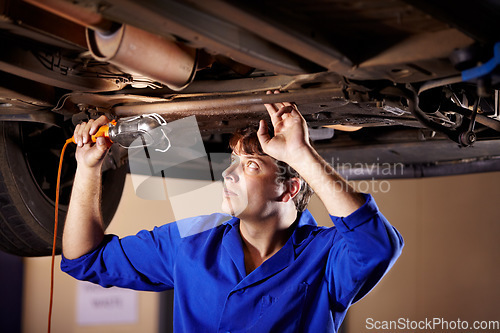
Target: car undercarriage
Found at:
x=403, y=82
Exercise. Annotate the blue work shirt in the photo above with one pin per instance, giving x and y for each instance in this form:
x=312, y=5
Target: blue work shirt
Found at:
x=307, y=286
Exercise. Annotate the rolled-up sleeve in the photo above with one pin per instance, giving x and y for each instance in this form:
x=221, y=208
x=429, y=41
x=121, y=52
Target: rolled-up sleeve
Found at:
x=363, y=250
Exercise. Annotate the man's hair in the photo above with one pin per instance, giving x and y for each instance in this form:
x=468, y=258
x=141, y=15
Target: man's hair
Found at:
x=246, y=141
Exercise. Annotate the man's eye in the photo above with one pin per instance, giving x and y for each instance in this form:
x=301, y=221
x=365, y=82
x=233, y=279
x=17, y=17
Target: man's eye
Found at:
x=252, y=165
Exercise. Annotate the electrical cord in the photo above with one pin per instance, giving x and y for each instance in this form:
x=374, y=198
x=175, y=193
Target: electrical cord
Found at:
x=104, y=132
x=55, y=233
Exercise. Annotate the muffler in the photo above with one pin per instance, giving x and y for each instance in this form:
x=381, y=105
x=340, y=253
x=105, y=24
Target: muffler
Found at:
x=137, y=51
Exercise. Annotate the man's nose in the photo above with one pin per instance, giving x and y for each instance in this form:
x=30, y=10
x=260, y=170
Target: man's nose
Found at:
x=230, y=173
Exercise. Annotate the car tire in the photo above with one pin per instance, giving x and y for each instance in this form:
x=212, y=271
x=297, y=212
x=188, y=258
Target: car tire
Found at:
x=28, y=173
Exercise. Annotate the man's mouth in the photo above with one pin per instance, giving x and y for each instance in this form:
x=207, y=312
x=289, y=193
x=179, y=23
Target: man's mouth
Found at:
x=228, y=193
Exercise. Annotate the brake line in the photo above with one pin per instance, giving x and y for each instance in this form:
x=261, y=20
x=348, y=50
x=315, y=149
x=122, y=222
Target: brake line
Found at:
x=54, y=243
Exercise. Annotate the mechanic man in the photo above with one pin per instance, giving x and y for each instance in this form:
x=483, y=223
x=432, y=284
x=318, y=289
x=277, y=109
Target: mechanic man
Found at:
x=269, y=267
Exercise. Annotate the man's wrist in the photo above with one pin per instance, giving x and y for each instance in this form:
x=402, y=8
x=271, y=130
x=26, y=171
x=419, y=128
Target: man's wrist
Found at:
x=305, y=159
x=302, y=157
x=89, y=172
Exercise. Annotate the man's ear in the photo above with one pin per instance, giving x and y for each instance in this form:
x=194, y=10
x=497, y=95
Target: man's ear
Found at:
x=293, y=186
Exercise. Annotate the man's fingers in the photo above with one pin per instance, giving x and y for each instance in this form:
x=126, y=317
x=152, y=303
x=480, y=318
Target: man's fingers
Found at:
x=279, y=105
x=272, y=111
x=296, y=113
x=263, y=133
x=86, y=130
x=283, y=110
x=102, y=120
x=101, y=144
x=280, y=111
x=93, y=153
x=271, y=108
x=77, y=136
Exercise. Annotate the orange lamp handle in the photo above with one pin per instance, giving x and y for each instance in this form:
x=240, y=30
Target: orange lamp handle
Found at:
x=102, y=131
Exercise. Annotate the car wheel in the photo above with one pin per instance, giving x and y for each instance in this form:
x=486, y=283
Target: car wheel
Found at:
x=28, y=175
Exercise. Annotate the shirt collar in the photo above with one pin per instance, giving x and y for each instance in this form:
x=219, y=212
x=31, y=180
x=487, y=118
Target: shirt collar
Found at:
x=305, y=225
x=306, y=219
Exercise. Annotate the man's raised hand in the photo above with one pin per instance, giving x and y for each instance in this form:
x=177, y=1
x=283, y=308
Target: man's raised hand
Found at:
x=290, y=132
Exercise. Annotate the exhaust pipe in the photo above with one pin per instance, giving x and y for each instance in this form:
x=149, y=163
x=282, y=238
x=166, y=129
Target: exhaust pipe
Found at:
x=139, y=52
x=135, y=51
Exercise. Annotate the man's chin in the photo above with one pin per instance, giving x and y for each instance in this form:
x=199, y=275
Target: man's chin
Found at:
x=227, y=208
x=230, y=209
x=234, y=205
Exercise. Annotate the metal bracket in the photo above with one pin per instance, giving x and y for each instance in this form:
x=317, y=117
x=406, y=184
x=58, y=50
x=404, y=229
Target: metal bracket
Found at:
x=467, y=139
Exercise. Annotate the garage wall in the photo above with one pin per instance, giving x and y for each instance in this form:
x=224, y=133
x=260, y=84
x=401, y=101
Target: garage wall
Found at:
x=448, y=268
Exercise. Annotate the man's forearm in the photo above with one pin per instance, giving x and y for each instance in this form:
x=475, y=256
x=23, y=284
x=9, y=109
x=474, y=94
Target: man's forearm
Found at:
x=339, y=198
x=83, y=229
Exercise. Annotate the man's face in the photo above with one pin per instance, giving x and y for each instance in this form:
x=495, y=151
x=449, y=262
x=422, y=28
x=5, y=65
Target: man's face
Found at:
x=251, y=189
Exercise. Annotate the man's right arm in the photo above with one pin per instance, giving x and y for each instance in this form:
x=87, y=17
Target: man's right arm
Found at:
x=83, y=229
x=109, y=260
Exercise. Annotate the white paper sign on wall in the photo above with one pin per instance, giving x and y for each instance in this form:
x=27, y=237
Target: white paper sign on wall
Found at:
x=100, y=306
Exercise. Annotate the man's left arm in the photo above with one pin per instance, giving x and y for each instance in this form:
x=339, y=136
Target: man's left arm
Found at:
x=339, y=198
x=366, y=245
